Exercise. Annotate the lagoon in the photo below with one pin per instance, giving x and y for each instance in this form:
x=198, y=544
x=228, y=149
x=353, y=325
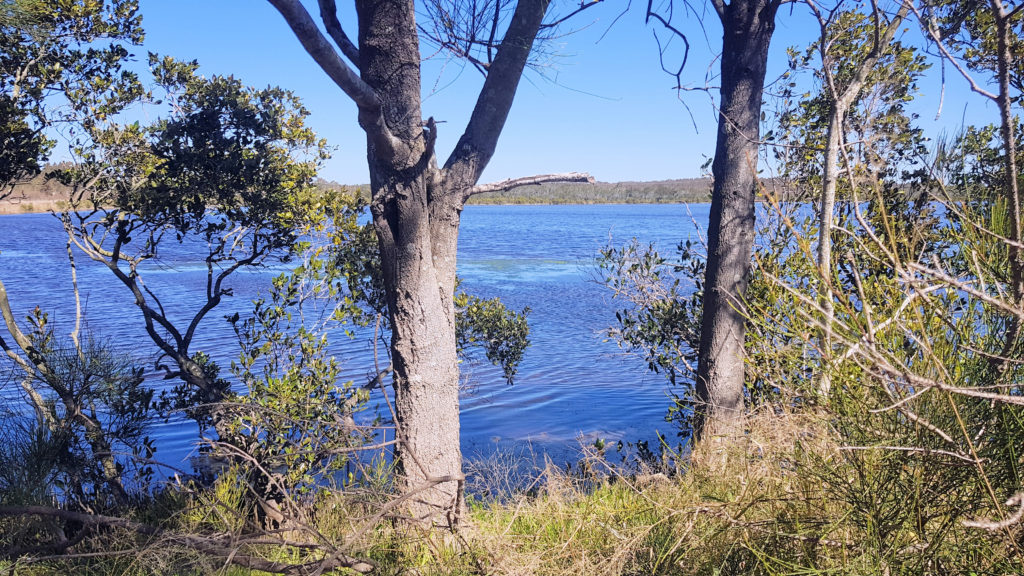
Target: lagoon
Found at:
x=572, y=385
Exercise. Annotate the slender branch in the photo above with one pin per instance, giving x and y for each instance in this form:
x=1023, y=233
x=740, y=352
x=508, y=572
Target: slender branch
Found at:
x=493, y=31
x=307, y=32
x=1015, y=500
x=214, y=294
x=965, y=287
x=916, y=450
x=667, y=24
x=452, y=44
x=933, y=33
x=329, y=14
x=583, y=6
x=1011, y=188
x=94, y=250
x=869, y=337
x=78, y=296
x=23, y=341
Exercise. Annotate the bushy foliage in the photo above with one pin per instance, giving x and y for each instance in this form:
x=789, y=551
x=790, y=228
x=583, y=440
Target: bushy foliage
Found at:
x=89, y=443
x=487, y=324
x=885, y=145
x=227, y=171
x=923, y=315
x=76, y=50
x=662, y=317
x=292, y=425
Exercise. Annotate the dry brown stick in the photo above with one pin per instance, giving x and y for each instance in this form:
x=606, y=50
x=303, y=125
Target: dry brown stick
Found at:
x=511, y=183
x=1015, y=500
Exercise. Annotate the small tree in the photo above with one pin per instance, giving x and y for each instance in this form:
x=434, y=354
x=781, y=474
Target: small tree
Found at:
x=661, y=318
x=987, y=36
x=92, y=415
x=865, y=80
x=228, y=170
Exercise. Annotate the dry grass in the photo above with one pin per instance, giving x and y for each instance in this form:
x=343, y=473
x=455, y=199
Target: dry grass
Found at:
x=712, y=513
x=784, y=499
x=768, y=504
x=40, y=206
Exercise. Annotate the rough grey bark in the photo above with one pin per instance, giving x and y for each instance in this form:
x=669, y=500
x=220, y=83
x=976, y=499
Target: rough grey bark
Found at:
x=747, y=32
x=416, y=208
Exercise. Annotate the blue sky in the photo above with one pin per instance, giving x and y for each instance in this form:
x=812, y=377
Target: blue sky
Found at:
x=602, y=106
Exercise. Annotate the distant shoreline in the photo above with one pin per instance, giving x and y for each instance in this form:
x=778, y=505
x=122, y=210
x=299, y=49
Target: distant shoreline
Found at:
x=42, y=194
x=575, y=202
x=45, y=206
x=20, y=206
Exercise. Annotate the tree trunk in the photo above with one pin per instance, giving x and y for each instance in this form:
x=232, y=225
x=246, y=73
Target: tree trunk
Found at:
x=841, y=102
x=416, y=208
x=826, y=205
x=419, y=286
x=747, y=32
x=416, y=221
x=1011, y=187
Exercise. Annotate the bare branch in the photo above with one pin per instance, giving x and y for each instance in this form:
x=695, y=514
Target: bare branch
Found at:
x=914, y=449
x=676, y=33
x=329, y=14
x=965, y=287
x=870, y=335
x=583, y=6
x=1015, y=500
x=494, y=29
x=933, y=34
x=511, y=183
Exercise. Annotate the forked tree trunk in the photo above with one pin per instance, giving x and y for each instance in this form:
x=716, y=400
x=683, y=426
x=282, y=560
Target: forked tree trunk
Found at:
x=747, y=32
x=416, y=207
x=418, y=283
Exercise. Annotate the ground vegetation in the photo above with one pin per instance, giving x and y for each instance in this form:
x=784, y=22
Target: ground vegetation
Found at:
x=907, y=462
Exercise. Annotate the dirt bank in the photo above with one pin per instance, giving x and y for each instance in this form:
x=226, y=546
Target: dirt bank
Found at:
x=24, y=206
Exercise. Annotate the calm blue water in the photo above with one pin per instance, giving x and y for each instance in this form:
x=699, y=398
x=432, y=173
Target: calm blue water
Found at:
x=570, y=385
